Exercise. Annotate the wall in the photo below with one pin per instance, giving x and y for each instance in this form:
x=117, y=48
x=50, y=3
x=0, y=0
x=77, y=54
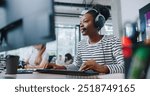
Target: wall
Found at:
x=123, y=11
x=67, y=20
x=116, y=17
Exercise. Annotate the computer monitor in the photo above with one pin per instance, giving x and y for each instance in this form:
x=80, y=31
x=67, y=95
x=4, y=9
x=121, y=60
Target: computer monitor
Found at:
x=28, y=22
x=144, y=14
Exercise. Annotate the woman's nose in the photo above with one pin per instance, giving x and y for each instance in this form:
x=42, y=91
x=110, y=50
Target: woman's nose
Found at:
x=81, y=24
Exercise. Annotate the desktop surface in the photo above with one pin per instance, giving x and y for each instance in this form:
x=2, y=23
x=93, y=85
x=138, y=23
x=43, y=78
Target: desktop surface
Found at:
x=38, y=75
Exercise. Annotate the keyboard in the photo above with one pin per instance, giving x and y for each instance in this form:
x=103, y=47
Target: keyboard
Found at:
x=67, y=72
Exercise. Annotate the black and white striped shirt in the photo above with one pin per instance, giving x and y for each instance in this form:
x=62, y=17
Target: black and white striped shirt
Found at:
x=107, y=51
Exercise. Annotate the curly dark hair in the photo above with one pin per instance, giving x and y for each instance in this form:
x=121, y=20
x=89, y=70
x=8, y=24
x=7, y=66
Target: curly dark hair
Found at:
x=103, y=10
x=68, y=56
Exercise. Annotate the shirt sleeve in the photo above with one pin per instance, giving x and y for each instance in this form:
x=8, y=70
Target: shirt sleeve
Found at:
x=117, y=53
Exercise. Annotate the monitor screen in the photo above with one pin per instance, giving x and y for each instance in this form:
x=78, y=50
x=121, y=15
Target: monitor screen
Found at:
x=144, y=13
x=27, y=22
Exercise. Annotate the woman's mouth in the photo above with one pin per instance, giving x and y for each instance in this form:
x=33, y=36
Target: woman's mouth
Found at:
x=83, y=30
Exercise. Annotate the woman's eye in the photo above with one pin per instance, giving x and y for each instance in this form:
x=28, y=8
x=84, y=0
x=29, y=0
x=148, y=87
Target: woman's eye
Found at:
x=85, y=20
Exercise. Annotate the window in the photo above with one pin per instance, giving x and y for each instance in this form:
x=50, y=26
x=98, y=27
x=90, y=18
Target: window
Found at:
x=66, y=39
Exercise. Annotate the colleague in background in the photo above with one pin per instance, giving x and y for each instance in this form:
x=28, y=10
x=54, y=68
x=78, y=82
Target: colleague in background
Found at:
x=38, y=58
x=100, y=53
x=68, y=59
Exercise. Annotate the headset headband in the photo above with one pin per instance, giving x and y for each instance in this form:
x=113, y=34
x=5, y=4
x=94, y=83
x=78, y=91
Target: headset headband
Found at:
x=86, y=11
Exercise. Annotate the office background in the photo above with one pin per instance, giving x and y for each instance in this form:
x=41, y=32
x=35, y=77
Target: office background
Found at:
x=67, y=23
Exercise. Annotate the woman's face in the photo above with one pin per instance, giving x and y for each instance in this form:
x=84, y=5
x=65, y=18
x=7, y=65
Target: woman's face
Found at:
x=87, y=24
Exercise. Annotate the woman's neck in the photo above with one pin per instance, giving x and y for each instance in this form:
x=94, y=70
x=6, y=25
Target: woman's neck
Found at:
x=95, y=38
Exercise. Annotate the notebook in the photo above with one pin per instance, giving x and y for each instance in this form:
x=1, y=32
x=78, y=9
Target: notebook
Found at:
x=68, y=72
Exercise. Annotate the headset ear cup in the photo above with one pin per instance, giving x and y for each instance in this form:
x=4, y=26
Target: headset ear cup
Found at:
x=100, y=21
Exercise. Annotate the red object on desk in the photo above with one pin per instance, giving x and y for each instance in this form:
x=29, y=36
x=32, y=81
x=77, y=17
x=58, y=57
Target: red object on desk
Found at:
x=126, y=46
x=126, y=41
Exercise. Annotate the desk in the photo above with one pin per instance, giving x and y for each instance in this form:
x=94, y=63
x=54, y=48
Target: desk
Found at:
x=36, y=75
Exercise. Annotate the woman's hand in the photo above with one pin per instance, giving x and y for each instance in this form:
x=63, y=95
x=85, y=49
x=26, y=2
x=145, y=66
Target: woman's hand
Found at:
x=92, y=65
x=54, y=66
x=49, y=65
x=88, y=65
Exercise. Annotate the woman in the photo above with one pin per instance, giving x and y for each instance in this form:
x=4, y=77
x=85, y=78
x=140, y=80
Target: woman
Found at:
x=100, y=53
x=38, y=58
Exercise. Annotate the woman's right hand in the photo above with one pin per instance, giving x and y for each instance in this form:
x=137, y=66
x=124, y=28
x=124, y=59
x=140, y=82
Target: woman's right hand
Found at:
x=54, y=66
x=49, y=66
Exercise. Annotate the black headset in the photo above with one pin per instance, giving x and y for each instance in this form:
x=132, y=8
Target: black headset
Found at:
x=99, y=20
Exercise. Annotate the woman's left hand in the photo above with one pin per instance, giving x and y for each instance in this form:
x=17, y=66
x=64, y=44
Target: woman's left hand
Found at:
x=92, y=65
x=88, y=65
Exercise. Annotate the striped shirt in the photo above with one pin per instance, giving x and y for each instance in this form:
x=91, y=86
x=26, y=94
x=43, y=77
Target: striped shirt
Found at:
x=105, y=52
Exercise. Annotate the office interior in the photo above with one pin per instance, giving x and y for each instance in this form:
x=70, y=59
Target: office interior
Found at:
x=67, y=19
